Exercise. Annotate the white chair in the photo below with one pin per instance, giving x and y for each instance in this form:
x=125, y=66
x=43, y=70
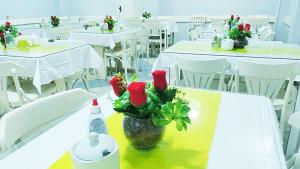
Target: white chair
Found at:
x=14, y=95
x=143, y=45
x=267, y=80
x=197, y=26
x=157, y=35
x=200, y=73
x=25, y=121
x=294, y=161
x=124, y=54
x=133, y=21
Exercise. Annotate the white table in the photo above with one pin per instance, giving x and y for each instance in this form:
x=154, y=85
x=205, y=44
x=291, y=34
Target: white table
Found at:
x=101, y=39
x=271, y=52
x=105, y=38
x=246, y=137
x=52, y=61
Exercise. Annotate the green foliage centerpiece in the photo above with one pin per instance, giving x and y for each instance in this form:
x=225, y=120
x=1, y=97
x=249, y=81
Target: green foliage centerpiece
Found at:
x=146, y=15
x=55, y=21
x=110, y=22
x=148, y=107
x=7, y=33
x=238, y=32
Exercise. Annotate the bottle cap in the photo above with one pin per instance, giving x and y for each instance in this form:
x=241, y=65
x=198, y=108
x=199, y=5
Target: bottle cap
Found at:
x=95, y=102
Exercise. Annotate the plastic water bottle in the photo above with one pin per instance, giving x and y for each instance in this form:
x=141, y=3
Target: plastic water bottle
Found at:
x=96, y=121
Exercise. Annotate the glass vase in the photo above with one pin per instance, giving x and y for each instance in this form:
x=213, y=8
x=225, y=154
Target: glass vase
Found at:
x=142, y=133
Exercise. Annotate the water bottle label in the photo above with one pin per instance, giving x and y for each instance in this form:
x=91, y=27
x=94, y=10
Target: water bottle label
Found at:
x=97, y=126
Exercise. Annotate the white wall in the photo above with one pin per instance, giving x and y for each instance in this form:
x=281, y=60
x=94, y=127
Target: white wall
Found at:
x=89, y=7
x=28, y=8
x=217, y=7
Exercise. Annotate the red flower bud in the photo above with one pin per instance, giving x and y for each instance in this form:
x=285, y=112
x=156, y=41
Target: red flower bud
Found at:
x=238, y=18
x=159, y=78
x=7, y=24
x=247, y=27
x=241, y=27
x=1, y=34
x=118, y=85
x=232, y=17
x=137, y=93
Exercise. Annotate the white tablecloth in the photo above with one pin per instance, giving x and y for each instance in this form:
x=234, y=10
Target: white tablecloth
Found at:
x=246, y=137
x=94, y=36
x=168, y=57
x=64, y=59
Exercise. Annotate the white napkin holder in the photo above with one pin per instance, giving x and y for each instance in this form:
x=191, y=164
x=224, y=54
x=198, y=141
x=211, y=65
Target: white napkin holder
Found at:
x=227, y=44
x=96, y=151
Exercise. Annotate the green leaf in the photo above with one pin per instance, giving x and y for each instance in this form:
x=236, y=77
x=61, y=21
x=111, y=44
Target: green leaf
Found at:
x=179, y=125
x=134, y=78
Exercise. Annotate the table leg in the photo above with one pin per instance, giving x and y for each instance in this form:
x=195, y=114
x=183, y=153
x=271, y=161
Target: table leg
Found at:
x=102, y=68
x=60, y=85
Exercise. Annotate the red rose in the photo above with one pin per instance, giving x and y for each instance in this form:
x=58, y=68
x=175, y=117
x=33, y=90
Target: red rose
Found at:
x=241, y=27
x=247, y=27
x=7, y=24
x=159, y=78
x=232, y=17
x=137, y=93
x=118, y=85
x=1, y=34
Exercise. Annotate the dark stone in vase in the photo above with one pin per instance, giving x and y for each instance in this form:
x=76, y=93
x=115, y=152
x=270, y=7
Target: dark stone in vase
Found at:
x=141, y=133
x=110, y=27
x=240, y=44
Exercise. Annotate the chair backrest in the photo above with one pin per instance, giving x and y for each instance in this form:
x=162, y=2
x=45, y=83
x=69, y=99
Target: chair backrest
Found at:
x=294, y=162
x=264, y=79
x=200, y=73
x=154, y=27
x=198, y=21
x=130, y=43
x=267, y=80
x=133, y=21
x=19, y=123
x=9, y=69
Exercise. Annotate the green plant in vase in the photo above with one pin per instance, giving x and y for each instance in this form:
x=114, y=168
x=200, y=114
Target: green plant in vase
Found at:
x=146, y=15
x=110, y=22
x=55, y=21
x=149, y=107
x=238, y=32
x=7, y=33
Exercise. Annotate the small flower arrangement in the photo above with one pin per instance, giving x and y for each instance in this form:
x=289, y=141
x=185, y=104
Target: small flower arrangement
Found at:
x=55, y=21
x=110, y=22
x=158, y=101
x=147, y=15
x=238, y=32
x=7, y=29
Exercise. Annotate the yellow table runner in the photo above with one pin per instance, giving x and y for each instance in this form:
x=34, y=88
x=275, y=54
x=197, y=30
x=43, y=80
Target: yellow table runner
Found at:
x=38, y=49
x=205, y=47
x=178, y=150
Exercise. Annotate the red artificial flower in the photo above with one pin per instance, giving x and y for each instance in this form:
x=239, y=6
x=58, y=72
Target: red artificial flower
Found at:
x=118, y=85
x=110, y=17
x=241, y=27
x=137, y=93
x=1, y=34
x=159, y=78
x=238, y=18
x=232, y=17
x=247, y=27
x=7, y=24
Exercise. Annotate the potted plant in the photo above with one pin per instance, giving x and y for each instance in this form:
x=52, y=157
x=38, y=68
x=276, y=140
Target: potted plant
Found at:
x=238, y=32
x=7, y=34
x=110, y=22
x=148, y=107
x=55, y=21
x=146, y=15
